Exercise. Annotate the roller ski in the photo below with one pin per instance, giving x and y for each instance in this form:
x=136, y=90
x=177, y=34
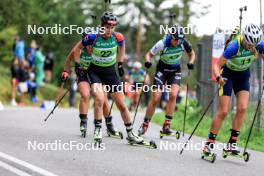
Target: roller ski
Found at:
x=134, y=139
x=83, y=127
x=143, y=128
x=97, y=137
x=112, y=132
x=166, y=131
x=208, y=155
x=232, y=151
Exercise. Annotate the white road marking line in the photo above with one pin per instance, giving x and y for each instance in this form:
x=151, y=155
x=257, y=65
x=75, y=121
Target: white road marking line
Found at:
x=13, y=169
x=27, y=165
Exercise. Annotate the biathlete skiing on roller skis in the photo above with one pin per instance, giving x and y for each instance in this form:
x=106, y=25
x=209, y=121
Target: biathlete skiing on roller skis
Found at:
x=81, y=68
x=232, y=74
x=168, y=72
x=107, y=49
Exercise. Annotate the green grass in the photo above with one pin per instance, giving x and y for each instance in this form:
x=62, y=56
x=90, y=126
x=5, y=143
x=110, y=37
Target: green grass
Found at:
x=256, y=140
x=5, y=84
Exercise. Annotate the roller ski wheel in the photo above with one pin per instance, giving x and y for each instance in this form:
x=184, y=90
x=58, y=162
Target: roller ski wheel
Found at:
x=172, y=134
x=244, y=156
x=97, y=143
x=224, y=153
x=208, y=155
x=97, y=137
x=83, y=132
x=116, y=134
x=149, y=144
x=83, y=128
x=211, y=157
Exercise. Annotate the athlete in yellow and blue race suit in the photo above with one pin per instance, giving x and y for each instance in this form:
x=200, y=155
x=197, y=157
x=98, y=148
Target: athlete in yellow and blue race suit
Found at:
x=233, y=73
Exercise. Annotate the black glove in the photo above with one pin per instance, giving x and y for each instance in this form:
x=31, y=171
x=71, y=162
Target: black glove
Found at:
x=148, y=64
x=64, y=76
x=190, y=66
x=121, y=70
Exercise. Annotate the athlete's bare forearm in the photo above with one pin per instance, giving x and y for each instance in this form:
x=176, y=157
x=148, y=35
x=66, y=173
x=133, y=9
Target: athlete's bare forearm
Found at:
x=191, y=56
x=73, y=55
x=217, y=68
x=121, y=53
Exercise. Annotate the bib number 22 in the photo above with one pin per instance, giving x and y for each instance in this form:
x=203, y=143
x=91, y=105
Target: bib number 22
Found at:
x=105, y=53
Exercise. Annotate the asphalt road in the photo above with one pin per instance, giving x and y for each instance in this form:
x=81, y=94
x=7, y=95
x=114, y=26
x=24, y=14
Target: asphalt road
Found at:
x=22, y=129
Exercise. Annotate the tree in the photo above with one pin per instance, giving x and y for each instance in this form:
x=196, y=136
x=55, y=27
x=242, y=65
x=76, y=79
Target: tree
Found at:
x=139, y=21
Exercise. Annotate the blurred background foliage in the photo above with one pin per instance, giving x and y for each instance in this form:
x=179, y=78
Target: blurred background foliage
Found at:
x=139, y=21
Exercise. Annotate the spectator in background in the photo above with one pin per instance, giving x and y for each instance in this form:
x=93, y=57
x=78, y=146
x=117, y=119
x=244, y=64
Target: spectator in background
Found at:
x=39, y=67
x=137, y=75
x=14, y=46
x=14, y=80
x=48, y=66
x=32, y=86
x=19, y=49
x=22, y=79
x=31, y=54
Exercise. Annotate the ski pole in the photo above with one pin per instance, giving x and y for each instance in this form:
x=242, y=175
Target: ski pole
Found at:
x=60, y=91
x=205, y=111
x=186, y=102
x=254, y=118
x=112, y=104
x=240, y=17
x=106, y=2
x=93, y=17
x=59, y=100
x=172, y=18
x=145, y=79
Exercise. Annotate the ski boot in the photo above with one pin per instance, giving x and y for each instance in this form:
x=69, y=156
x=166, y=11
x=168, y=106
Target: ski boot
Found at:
x=112, y=132
x=97, y=137
x=143, y=128
x=207, y=153
x=166, y=131
x=231, y=150
x=134, y=139
x=83, y=127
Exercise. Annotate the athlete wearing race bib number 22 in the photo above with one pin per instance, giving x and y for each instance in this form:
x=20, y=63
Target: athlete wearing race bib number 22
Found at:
x=106, y=50
x=82, y=65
